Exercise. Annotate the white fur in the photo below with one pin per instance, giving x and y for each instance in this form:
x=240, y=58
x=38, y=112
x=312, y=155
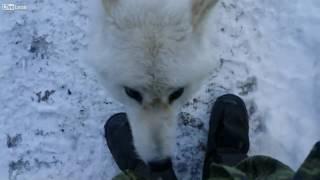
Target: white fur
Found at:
x=150, y=46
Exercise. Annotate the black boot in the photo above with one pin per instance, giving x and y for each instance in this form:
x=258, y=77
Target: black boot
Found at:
x=120, y=142
x=228, y=139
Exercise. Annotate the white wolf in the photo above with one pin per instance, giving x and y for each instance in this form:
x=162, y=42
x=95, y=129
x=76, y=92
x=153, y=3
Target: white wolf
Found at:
x=152, y=56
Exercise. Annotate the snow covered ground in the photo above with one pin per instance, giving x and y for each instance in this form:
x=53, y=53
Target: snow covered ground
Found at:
x=52, y=108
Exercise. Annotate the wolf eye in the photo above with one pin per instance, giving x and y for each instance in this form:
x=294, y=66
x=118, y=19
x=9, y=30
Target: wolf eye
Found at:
x=175, y=95
x=133, y=94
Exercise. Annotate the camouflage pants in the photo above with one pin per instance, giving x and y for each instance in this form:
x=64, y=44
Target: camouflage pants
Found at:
x=259, y=167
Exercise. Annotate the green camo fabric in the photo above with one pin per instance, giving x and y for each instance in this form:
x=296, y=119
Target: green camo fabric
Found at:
x=258, y=168
x=310, y=169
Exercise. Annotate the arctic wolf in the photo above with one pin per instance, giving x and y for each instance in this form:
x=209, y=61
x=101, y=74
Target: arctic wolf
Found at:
x=152, y=56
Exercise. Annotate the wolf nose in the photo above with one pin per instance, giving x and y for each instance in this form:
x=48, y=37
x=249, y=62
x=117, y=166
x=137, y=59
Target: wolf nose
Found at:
x=160, y=165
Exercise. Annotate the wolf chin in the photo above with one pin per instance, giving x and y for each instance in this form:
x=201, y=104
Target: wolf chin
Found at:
x=152, y=56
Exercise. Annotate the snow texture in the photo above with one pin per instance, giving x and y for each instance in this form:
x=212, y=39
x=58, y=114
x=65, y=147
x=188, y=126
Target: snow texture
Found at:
x=53, y=108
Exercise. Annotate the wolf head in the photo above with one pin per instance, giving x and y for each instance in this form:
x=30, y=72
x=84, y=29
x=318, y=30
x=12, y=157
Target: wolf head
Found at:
x=152, y=57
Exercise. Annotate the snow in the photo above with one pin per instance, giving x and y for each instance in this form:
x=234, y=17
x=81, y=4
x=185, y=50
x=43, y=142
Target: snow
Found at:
x=53, y=108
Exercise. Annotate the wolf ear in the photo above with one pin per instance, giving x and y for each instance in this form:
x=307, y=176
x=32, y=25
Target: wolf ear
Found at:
x=109, y=5
x=200, y=10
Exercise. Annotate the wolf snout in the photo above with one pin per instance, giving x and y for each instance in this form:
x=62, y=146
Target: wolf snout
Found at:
x=160, y=165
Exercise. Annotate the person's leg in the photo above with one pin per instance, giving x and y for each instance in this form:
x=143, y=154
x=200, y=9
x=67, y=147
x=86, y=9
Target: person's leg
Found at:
x=264, y=167
x=228, y=144
x=120, y=142
x=310, y=169
x=228, y=138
